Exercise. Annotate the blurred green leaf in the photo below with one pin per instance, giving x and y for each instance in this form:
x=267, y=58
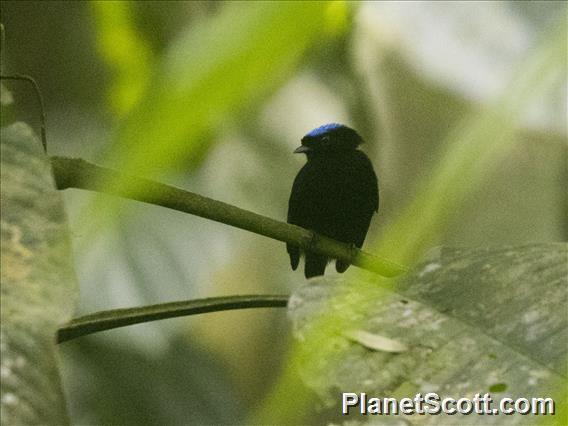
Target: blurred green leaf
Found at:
x=38, y=283
x=216, y=68
x=124, y=50
x=474, y=321
x=472, y=150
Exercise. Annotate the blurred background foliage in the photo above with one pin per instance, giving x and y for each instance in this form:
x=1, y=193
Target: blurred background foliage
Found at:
x=213, y=97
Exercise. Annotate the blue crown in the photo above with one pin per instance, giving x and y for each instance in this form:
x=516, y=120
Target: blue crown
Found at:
x=322, y=130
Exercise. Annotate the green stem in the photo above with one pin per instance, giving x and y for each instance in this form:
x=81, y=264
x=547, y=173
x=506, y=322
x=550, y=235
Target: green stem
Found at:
x=106, y=320
x=77, y=173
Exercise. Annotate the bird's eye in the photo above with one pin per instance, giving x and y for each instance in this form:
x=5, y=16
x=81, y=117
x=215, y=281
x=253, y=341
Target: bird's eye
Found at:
x=325, y=140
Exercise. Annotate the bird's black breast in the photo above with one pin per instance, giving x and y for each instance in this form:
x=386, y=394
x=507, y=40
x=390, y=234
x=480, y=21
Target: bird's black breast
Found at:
x=335, y=196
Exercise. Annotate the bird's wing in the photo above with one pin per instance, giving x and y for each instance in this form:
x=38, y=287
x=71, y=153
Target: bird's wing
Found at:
x=371, y=181
x=358, y=202
x=296, y=215
x=371, y=189
x=365, y=198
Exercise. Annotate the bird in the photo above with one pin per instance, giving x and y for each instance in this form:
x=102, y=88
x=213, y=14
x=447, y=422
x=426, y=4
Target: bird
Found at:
x=334, y=194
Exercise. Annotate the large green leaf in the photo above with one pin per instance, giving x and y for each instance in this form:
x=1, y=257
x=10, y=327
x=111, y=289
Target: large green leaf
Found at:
x=464, y=322
x=215, y=69
x=38, y=284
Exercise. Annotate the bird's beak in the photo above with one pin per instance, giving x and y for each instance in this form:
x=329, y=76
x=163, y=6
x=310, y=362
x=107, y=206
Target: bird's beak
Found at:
x=302, y=149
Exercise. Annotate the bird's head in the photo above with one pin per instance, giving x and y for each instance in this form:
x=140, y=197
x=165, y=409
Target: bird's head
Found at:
x=329, y=139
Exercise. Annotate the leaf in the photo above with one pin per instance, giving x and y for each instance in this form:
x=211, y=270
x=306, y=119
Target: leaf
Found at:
x=38, y=284
x=213, y=70
x=474, y=321
x=124, y=51
x=375, y=341
x=472, y=150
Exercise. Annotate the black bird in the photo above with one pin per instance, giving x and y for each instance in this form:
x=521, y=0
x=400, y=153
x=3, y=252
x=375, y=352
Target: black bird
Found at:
x=335, y=194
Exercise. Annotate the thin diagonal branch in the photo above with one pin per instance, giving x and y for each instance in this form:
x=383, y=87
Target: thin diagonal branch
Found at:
x=106, y=320
x=77, y=173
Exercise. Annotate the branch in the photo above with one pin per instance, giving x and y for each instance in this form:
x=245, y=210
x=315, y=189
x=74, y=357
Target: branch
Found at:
x=106, y=320
x=77, y=173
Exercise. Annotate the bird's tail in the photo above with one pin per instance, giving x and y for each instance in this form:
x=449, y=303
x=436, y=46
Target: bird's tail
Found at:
x=294, y=253
x=341, y=266
x=315, y=265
